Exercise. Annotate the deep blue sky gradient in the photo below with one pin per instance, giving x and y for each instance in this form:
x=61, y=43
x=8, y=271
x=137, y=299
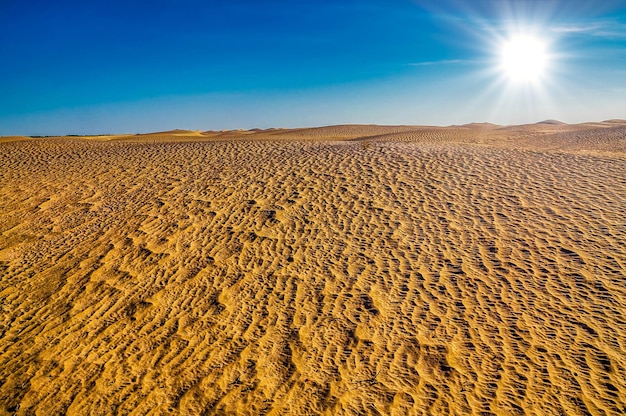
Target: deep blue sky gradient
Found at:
x=131, y=66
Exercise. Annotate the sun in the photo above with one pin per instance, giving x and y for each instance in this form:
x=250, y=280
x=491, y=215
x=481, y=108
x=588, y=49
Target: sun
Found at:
x=524, y=58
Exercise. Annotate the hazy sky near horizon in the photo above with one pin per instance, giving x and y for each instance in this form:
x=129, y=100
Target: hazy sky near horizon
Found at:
x=136, y=66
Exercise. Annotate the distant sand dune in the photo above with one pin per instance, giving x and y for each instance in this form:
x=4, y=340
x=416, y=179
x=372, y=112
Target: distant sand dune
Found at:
x=342, y=270
x=7, y=139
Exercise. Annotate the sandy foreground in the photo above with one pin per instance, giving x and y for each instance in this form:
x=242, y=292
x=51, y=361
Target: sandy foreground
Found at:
x=340, y=270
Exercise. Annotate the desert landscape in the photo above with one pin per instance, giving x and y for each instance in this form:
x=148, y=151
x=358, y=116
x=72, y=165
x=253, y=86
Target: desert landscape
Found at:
x=343, y=270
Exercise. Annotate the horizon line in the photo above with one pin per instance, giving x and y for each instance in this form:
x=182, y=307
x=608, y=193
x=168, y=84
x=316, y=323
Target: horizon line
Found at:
x=172, y=131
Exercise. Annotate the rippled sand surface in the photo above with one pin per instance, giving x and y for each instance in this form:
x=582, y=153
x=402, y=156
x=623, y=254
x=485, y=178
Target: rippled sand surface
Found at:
x=343, y=270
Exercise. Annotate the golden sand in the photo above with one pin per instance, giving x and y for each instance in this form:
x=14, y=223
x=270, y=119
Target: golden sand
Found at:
x=341, y=270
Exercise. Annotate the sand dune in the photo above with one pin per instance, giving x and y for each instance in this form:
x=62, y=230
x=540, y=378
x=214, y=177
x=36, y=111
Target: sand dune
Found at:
x=471, y=269
x=7, y=139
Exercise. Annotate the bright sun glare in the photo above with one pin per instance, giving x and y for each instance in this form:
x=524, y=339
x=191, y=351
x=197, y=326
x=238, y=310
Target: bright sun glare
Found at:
x=524, y=58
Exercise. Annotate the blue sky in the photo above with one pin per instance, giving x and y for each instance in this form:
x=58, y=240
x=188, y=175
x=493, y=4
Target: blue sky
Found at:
x=135, y=66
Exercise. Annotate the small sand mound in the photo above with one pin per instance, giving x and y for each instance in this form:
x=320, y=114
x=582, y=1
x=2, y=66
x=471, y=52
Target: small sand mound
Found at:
x=552, y=122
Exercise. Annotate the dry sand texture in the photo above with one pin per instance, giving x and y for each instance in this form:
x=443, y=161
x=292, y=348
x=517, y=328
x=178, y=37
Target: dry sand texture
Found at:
x=343, y=270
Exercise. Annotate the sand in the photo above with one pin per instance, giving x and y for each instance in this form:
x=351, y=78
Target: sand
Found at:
x=349, y=270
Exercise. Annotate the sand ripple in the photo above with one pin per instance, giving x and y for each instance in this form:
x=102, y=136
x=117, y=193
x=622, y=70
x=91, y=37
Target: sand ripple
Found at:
x=305, y=277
